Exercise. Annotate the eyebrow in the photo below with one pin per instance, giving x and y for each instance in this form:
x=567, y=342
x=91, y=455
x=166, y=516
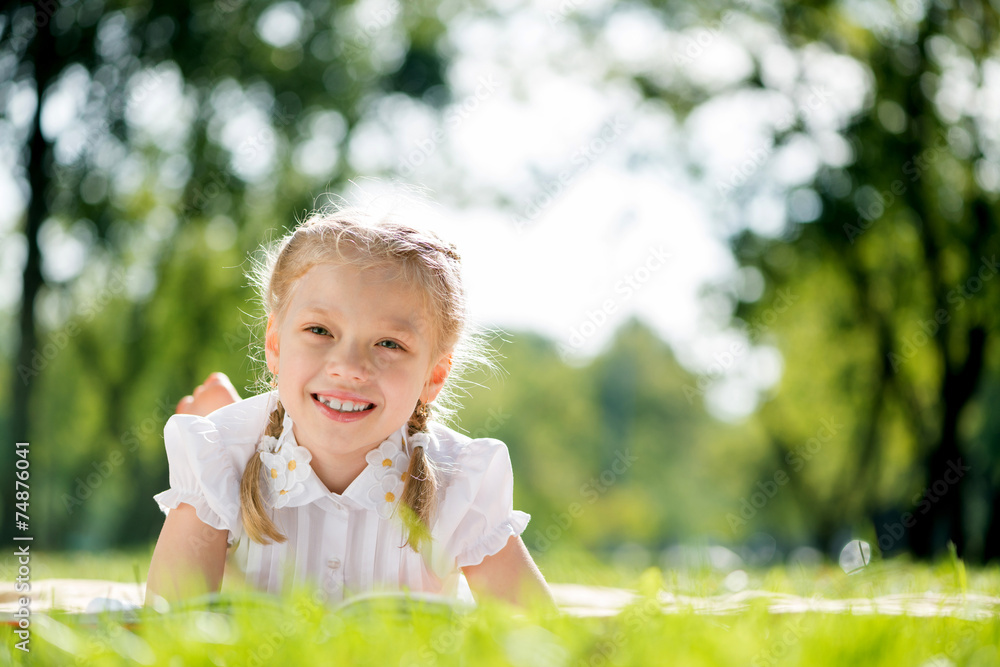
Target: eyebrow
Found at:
x=393, y=325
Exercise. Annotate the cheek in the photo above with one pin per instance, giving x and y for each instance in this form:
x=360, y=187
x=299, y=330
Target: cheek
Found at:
x=297, y=360
x=395, y=381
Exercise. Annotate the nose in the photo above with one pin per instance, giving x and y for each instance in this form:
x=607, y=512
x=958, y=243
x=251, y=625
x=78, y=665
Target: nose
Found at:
x=349, y=361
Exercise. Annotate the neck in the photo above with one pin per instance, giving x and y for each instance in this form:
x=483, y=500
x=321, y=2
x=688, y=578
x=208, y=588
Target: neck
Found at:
x=337, y=473
x=336, y=470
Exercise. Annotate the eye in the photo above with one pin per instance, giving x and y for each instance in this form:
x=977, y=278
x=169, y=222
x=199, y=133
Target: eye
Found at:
x=319, y=331
x=391, y=342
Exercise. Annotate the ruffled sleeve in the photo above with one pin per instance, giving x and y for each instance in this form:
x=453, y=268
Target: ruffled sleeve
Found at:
x=477, y=513
x=202, y=473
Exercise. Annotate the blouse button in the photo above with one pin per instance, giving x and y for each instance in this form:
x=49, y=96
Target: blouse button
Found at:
x=334, y=563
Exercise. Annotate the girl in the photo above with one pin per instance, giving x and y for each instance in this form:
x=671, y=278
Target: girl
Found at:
x=338, y=476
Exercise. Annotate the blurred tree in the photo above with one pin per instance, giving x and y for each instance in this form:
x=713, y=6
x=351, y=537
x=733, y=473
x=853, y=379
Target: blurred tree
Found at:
x=161, y=134
x=611, y=451
x=889, y=251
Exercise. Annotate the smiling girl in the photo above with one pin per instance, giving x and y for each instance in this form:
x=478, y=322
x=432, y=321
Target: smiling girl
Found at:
x=339, y=476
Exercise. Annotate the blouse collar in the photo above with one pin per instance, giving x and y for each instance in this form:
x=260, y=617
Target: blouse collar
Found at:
x=293, y=483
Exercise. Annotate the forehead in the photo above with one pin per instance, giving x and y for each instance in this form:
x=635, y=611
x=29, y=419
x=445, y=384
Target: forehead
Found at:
x=375, y=295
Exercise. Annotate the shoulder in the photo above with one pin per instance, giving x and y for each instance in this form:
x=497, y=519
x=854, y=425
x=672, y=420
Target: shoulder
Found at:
x=234, y=429
x=448, y=446
x=244, y=419
x=234, y=421
x=466, y=462
x=206, y=457
x=475, y=516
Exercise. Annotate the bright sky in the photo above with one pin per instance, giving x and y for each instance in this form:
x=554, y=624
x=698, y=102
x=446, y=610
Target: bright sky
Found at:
x=606, y=223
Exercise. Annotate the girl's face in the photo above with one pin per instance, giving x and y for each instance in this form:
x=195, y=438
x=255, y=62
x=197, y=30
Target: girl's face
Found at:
x=358, y=336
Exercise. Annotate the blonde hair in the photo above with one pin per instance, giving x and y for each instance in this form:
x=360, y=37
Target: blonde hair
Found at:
x=355, y=237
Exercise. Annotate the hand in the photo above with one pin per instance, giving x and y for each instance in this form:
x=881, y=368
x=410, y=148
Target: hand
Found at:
x=214, y=393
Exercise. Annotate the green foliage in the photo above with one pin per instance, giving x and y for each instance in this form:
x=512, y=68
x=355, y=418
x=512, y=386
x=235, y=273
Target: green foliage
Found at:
x=894, y=326
x=248, y=629
x=610, y=452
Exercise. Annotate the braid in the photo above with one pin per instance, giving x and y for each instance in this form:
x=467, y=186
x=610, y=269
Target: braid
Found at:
x=450, y=250
x=256, y=522
x=275, y=422
x=418, y=420
x=420, y=488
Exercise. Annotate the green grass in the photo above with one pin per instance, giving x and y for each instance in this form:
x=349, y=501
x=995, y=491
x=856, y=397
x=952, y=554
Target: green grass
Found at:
x=255, y=630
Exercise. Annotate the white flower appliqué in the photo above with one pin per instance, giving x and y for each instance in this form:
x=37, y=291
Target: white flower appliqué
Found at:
x=387, y=459
x=387, y=494
x=389, y=466
x=285, y=470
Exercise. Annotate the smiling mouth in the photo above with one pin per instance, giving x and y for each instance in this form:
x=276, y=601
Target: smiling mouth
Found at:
x=345, y=407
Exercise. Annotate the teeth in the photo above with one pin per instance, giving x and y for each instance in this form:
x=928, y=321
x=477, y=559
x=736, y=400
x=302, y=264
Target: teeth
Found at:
x=346, y=406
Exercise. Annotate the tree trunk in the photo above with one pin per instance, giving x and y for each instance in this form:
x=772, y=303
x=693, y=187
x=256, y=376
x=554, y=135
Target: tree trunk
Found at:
x=41, y=52
x=938, y=514
x=991, y=545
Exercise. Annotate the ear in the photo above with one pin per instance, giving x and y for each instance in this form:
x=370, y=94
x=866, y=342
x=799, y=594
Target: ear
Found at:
x=436, y=377
x=271, y=345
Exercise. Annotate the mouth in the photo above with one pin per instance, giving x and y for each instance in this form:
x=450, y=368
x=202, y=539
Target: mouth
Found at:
x=344, y=407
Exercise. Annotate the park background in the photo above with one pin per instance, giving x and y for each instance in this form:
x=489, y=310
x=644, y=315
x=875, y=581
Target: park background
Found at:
x=738, y=259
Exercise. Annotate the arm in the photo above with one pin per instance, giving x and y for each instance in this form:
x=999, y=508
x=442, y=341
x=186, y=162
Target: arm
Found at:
x=189, y=558
x=511, y=575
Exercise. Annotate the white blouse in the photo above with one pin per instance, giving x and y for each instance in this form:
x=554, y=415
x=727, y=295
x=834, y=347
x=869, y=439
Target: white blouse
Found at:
x=346, y=543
